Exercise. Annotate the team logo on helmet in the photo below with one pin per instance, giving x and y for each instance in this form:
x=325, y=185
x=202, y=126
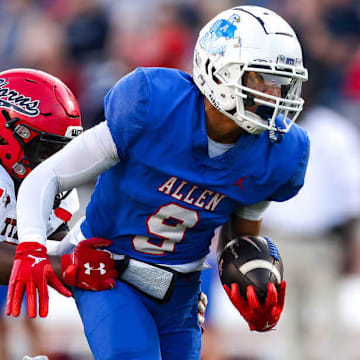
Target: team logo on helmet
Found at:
x=215, y=40
x=11, y=99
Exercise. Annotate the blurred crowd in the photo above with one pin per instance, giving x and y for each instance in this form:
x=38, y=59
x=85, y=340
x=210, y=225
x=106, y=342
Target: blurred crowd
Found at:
x=90, y=44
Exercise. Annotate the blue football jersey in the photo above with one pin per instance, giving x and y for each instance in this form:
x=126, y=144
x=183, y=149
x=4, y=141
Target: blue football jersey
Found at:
x=163, y=200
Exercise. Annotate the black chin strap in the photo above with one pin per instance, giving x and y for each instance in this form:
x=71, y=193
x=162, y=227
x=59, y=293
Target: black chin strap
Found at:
x=24, y=161
x=10, y=122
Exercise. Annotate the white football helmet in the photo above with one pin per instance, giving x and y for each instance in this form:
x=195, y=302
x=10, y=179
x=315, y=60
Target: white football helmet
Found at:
x=249, y=39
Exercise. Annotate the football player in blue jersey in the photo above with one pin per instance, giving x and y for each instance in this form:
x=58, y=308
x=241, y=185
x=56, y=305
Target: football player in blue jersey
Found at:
x=177, y=157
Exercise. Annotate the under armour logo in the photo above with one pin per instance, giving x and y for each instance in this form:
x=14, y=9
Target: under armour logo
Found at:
x=37, y=260
x=88, y=268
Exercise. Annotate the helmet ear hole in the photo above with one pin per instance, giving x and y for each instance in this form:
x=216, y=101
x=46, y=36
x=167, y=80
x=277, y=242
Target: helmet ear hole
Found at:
x=215, y=79
x=207, y=65
x=3, y=141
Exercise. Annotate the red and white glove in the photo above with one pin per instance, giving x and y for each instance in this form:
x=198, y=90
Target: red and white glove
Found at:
x=32, y=270
x=260, y=317
x=89, y=267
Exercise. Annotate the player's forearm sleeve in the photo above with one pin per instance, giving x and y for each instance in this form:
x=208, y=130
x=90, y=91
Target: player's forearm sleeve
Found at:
x=83, y=159
x=253, y=212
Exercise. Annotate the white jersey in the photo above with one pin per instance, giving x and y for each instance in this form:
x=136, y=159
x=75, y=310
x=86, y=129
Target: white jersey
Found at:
x=8, y=228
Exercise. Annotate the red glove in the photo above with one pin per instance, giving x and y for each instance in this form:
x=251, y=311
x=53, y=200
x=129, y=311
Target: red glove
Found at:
x=88, y=267
x=260, y=317
x=32, y=270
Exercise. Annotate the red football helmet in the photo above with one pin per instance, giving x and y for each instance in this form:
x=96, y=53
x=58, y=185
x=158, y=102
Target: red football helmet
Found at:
x=38, y=116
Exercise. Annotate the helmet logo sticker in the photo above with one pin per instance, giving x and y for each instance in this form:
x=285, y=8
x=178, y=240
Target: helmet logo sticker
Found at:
x=12, y=100
x=215, y=40
x=281, y=59
x=73, y=131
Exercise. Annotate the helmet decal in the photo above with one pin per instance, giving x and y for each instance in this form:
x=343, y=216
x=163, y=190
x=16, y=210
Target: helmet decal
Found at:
x=73, y=131
x=215, y=40
x=281, y=59
x=11, y=99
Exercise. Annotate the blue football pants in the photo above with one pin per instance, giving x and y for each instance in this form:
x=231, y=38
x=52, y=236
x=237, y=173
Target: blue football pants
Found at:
x=122, y=323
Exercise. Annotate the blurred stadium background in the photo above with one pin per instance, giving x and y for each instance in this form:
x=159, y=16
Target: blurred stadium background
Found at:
x=90, y=44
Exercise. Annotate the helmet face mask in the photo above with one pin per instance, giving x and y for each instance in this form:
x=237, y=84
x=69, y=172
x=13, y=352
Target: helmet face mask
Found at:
x=261, y=43
x=43, y=146
x=38, y=116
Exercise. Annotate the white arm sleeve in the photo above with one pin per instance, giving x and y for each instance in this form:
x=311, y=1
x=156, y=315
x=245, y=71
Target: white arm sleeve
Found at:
x=253, y=212
x=83, y=159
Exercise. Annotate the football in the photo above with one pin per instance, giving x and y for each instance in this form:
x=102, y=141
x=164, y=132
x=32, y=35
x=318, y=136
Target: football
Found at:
x=251, y=260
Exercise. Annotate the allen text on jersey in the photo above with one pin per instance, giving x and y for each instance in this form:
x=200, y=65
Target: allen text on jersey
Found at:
x=188, y=193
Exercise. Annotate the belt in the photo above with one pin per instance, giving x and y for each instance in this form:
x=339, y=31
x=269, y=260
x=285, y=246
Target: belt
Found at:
x=155, y=281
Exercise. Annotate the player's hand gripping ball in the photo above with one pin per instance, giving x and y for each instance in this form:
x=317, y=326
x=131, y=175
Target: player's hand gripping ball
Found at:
x=251, y=260
x=251, y=271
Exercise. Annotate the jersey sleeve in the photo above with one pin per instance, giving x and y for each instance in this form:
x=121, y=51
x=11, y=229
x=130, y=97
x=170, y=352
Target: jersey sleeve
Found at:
x=253, y=212
x=292, y=187
x=126, y=106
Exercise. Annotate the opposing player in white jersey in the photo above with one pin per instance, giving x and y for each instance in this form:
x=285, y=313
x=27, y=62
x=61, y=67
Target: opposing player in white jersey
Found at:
x=65, y=206
x=178, y=156
x=38, y=116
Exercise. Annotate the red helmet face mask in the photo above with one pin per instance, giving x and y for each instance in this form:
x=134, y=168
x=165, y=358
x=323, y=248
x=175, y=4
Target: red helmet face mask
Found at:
x=38, y=116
